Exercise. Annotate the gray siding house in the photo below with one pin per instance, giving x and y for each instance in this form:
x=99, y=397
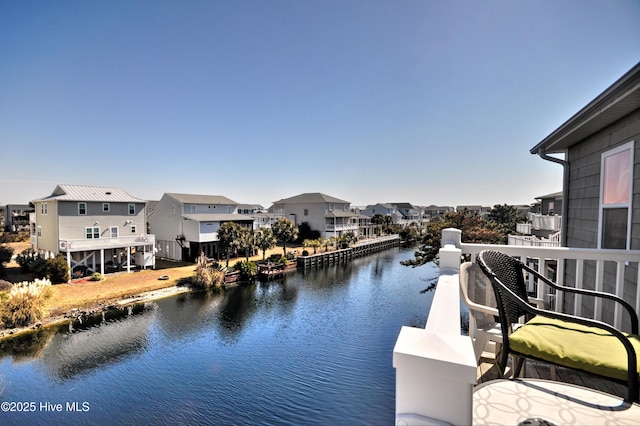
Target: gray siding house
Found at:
x=330, y=216
x=187, y=224
x=97, y=228
x=601, y=205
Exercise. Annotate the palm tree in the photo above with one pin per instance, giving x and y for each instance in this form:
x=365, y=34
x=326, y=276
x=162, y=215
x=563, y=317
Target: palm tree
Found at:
x=265, y=241
x=284, y=230
x=229, y=236
x=247, y=241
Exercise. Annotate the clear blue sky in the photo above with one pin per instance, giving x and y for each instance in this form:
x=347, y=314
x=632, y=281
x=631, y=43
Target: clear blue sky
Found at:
x=428, y=102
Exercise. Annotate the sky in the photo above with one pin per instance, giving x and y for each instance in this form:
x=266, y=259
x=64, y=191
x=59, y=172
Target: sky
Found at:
x=426, y=102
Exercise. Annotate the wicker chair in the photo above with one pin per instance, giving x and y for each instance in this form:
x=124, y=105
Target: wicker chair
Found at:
x=561, y=339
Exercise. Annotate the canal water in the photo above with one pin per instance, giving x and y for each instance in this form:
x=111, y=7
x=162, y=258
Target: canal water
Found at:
x=312, y=348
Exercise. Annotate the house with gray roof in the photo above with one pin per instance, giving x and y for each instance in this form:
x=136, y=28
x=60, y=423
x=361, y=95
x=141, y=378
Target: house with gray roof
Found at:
x=330, y=216
x=187, y=224
x=97, y=228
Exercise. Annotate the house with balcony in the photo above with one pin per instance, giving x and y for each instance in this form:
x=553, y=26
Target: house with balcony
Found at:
x=187, y=225
x=410, y=213
x=16, y=217
x=435, y=211
x=436, y=366
x=330, y=216
x=383, y=209
x=97, y=229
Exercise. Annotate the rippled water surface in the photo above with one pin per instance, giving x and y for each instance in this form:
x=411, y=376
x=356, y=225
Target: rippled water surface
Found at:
x=313, y=348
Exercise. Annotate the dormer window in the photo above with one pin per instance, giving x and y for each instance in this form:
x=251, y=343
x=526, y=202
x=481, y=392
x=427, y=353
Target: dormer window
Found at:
x=132, y=209
x=82, y=209
x=106, y=207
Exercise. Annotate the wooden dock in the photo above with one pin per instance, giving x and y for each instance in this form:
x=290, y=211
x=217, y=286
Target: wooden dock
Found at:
x=360, y=249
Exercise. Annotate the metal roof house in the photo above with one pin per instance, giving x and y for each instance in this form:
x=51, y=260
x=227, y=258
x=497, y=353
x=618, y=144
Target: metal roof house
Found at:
x=187, y=224
x=97, y=228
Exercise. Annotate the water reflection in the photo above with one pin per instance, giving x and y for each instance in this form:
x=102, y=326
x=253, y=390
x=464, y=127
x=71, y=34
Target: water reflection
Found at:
x=313, y=347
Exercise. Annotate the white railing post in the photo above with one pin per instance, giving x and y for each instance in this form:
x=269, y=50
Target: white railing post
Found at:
x=436, y=366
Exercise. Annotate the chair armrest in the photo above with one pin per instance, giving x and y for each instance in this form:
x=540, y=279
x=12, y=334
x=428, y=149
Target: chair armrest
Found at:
x=632, y=313
x=482, y=308
x=539, y=303
x=632, y=366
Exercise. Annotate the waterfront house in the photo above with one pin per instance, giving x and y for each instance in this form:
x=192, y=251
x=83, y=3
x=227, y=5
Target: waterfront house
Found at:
x=187, y=224
x=97, y=228
x=330, y=216
x=410, y=213
x=435, y=211
x=384, y=209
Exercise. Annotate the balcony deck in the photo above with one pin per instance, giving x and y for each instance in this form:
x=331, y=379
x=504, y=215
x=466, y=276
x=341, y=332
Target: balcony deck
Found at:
x=487, y=371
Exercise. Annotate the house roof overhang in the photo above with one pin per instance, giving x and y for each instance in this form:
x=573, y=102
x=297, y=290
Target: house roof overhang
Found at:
x=619, y=100
x=340, y=214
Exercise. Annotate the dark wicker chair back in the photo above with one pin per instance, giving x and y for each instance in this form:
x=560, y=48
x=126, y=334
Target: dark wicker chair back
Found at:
x=509, y=272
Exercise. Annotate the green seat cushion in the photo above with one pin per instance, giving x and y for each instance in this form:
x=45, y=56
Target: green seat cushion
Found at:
x=573, y=345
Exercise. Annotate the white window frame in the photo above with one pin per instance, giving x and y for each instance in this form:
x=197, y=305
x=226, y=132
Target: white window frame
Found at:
x=111, y=232
x=44, y=209
x=173, y=209
x=106, y=207
x=193, y=208
x=39, y=231
x=132, y=209
x=85, y=209
x=627, y=146
x=92, y=232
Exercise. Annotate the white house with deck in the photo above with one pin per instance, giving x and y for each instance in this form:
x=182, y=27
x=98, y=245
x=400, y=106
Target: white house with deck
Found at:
x=97, y=228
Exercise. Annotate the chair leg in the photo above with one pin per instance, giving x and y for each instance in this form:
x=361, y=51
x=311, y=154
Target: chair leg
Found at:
x=519, y=362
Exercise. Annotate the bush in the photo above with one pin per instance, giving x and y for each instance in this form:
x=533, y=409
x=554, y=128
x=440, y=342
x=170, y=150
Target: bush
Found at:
x=57, y=270
x=305, y=252
x=206, y=275
x=26, y=258
x=25, y=303
x=97, y=276
x=248, y=270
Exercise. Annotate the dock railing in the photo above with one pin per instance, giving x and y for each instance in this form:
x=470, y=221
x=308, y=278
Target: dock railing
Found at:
x=436, y=366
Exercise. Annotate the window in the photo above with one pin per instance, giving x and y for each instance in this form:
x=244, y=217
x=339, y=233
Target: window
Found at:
x=114, y=232
x=39, y=231
x=43, y=208
x=133, y=229
x=82, y=208
x=616, y=177
x=105, y=207
x=173, y=209
x=132, y=209
x=306, y=212
x=92, y=232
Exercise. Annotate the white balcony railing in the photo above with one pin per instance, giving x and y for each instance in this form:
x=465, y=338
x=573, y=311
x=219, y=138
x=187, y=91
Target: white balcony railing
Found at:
x=107, y=243
x=533, y=241
x=545, y=222
x=436, y=367
x=342, y=227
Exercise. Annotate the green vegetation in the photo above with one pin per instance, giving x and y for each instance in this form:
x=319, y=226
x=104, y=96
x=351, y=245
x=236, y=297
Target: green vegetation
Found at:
x=494, y=229
x=55, y=269
x=5, y=257
x=248, y=270
x=284, y=230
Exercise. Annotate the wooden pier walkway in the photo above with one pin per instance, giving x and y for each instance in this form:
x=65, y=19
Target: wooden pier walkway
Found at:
x=360, y=249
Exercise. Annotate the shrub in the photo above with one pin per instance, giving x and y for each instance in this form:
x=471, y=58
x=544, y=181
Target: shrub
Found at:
x=57, y=270
x=26, y=258
x=97, y=276
x=248, y=270
x=25, y=303
x=206, y=275
x=305, y=252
